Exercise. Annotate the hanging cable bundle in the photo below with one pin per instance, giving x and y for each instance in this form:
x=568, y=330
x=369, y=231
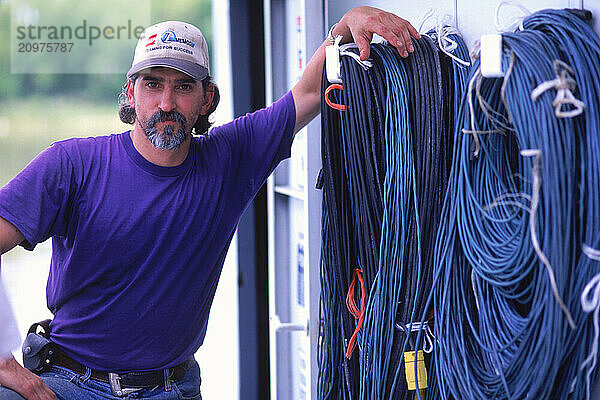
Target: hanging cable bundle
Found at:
x=519, y=229
x=352, y=208
x=387, y=139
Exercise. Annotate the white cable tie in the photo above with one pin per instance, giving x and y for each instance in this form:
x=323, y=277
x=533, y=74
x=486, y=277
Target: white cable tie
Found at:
x=530, y=153
x=469, y=132
x=564, y=84
x=590, y=304
x=517, y=22
x=535, y=202
x=592, y=253
x=413, y=326
x=442, y=31
x=417, y=327
x=447, y=44
x=344, y=51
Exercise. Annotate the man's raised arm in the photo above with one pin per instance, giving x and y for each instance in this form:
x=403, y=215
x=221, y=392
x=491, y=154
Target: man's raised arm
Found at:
x=358, y=25
x=9, y=236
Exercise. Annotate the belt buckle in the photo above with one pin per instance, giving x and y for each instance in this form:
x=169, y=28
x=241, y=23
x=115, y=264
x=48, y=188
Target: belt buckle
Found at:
x=115, y=385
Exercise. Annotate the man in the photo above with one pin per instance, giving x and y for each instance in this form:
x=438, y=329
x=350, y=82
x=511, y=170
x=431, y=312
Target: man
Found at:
x=141, y=221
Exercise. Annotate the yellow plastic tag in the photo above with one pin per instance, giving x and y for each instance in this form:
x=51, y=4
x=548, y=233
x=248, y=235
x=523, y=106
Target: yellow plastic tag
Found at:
x=409, y=366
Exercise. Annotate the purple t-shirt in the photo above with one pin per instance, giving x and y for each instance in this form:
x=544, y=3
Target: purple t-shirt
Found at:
x=137, y=249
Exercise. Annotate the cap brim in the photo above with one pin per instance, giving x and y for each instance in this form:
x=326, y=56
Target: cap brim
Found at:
x=187, y=67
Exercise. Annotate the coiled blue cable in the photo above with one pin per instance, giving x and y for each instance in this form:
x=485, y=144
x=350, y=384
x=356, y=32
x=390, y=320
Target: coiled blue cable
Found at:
x=500, y=329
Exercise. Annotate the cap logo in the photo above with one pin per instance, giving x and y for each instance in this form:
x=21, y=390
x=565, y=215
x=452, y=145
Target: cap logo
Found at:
x=171, y=44
x=151, y=40
x=169, y=36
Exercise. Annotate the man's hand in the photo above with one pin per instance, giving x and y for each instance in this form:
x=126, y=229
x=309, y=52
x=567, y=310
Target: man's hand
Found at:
x=23, y=381
x=359, y=25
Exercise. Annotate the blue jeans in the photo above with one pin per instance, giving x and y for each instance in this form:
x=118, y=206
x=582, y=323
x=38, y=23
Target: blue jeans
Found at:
x=69, y=385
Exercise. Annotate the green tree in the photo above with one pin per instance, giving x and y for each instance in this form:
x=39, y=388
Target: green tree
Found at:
x=95, y=87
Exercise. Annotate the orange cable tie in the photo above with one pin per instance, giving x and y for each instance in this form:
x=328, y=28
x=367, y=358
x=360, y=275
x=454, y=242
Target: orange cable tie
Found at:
x=335, y=106
x=351, y=304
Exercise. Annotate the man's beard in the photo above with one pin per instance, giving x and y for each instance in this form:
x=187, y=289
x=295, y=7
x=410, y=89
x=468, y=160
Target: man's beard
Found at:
x=169, y=139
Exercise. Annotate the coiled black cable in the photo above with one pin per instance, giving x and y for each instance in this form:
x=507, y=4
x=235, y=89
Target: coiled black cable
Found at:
x=385, y=167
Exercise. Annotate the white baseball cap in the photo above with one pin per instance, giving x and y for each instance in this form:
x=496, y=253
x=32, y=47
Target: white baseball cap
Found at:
x=172, y=44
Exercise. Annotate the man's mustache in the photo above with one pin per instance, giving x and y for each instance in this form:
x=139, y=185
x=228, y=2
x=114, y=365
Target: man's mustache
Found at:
x=163, y=116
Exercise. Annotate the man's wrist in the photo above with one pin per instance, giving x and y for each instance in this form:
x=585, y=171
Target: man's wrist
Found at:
x=5, y=361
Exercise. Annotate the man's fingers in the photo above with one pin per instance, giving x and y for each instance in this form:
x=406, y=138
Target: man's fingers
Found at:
x=407, y=42
x=23, y=381
x=397, y=32
x=408, y=38
x=404, y=32
x=407, y=26
x=34, y=388
x=363, y=46
x=43, y=392
x=396, y=38
x=413, y=32
x=364, y=21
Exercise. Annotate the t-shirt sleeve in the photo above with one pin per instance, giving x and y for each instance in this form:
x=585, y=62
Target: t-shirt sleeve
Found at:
x=259, y=141
x=37, y=200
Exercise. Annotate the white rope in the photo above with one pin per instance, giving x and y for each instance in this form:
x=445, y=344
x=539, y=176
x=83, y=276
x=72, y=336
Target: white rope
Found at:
x=344, y=51
x=501, y=201
x=447, y=44
x=474, y=131
x=473, y=285
x=535, y=201
x=338, y=38
x=443, y=30
x=590, y=302
x=427, y=16
x=591, y=252
x=516, y=22
x=564, y=84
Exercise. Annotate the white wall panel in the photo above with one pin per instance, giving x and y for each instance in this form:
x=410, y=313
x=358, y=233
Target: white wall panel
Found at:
x=594, y=7
x=476, y=17
x=411, y=12
x=473, y=17
x=414, y=13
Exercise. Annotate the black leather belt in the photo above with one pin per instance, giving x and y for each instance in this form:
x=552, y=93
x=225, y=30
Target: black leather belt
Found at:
x=129, y=380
